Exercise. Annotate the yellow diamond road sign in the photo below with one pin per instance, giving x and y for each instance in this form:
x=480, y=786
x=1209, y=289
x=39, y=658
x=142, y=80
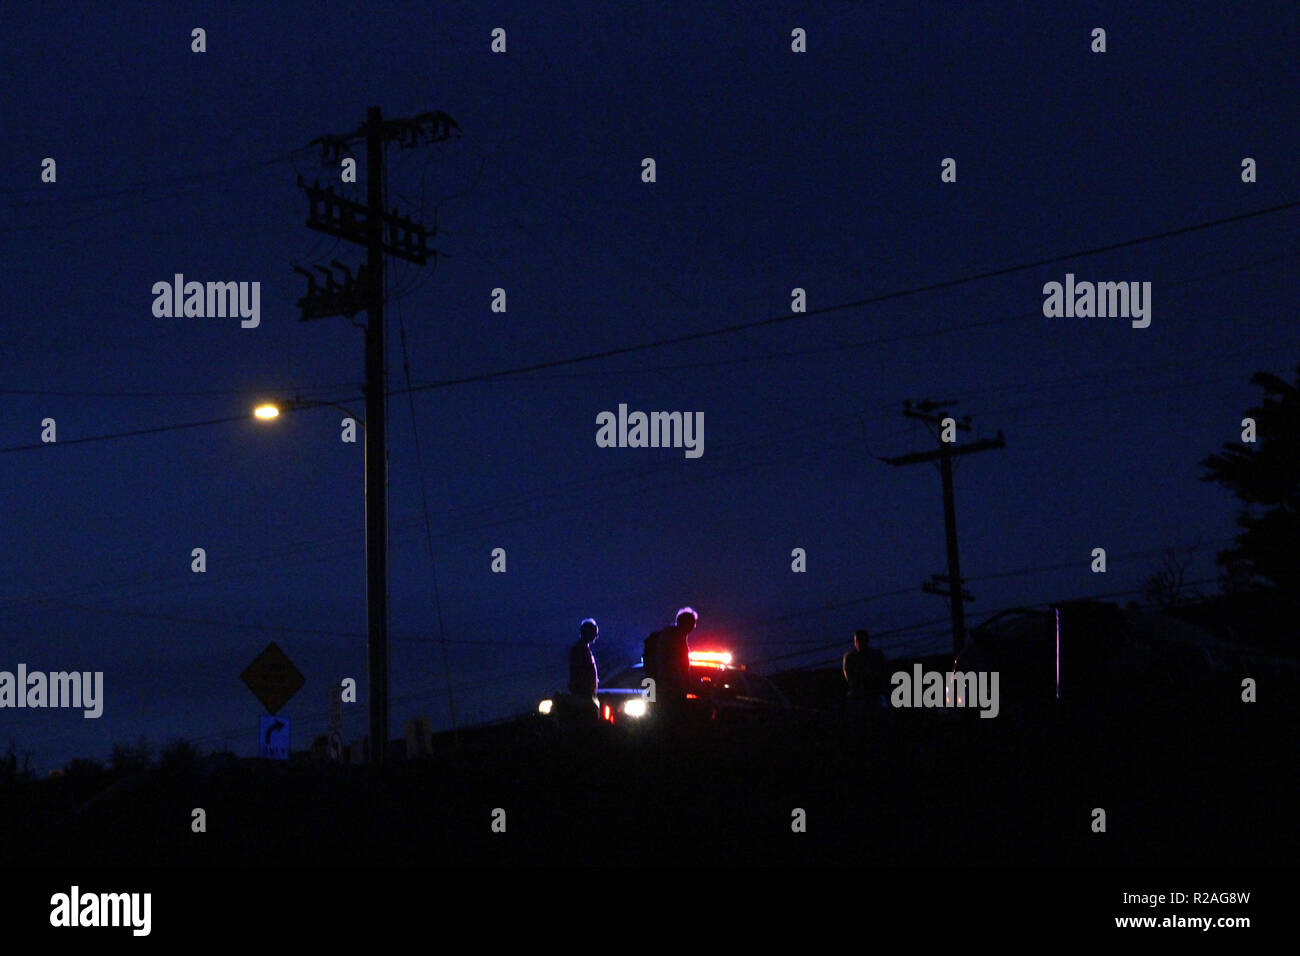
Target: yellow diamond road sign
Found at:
x=273, y=678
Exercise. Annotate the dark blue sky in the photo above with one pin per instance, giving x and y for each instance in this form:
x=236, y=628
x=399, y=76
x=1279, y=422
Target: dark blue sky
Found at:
x=775, y=170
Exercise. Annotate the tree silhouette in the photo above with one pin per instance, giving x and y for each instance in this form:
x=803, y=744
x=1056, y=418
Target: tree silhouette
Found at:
x=132, y=758
x=10, y=771
x=1265, y=476
x=1165, y=587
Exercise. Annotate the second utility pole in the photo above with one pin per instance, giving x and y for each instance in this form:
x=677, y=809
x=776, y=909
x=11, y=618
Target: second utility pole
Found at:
x=945, y=453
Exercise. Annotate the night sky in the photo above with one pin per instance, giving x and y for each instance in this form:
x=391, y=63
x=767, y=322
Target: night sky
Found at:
x=775, y=170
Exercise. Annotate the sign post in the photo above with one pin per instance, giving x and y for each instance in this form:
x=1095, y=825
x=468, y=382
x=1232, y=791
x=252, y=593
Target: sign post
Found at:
x=336, y=723
x=273, y=679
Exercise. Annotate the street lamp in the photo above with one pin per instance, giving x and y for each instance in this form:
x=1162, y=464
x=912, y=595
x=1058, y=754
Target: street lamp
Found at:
x=269, y=410
x=376, y=511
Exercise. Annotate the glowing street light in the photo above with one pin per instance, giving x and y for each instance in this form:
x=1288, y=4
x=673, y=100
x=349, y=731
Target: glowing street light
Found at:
x=269, y=410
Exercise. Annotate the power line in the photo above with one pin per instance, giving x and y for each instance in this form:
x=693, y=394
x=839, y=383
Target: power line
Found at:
x=835, y=379
x=428, y=523
x=605, y=478
x=841, y=347
x=857, y=303
x=725, y=330
x=155, y=430
x=496, y=506
x=1021, y=387
x=130, y=434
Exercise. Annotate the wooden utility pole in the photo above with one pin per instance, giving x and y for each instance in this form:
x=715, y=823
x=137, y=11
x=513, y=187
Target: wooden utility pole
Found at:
x=944, y=454
x=382, y=234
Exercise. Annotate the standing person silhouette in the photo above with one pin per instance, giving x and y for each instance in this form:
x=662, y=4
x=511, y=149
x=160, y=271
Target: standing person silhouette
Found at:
x=668, y=663
x=864, y=668
x=583, y=678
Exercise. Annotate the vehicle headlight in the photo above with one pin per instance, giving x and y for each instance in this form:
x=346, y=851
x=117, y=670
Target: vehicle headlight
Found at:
x=545, y=706
x=636, y=707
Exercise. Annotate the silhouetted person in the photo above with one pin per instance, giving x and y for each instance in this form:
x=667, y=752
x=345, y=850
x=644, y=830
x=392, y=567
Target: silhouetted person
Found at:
x=668, y=662
x=864, y=669
x=675, y=650
x=581, y=707
x=583, y=680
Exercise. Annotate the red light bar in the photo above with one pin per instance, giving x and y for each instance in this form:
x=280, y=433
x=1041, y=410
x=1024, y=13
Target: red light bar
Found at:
x=717, y=658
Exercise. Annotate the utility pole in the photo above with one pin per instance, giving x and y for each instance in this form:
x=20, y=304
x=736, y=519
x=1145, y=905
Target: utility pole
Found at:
x=382, y=233
x=956, y=594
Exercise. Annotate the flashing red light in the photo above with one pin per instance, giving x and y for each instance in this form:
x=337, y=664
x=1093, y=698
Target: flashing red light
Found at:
x=718, y=659
x=609, y=714
x=692, y=696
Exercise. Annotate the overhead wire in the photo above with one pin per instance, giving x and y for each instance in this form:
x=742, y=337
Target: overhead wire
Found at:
x=428, y=522
x=735, y=327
